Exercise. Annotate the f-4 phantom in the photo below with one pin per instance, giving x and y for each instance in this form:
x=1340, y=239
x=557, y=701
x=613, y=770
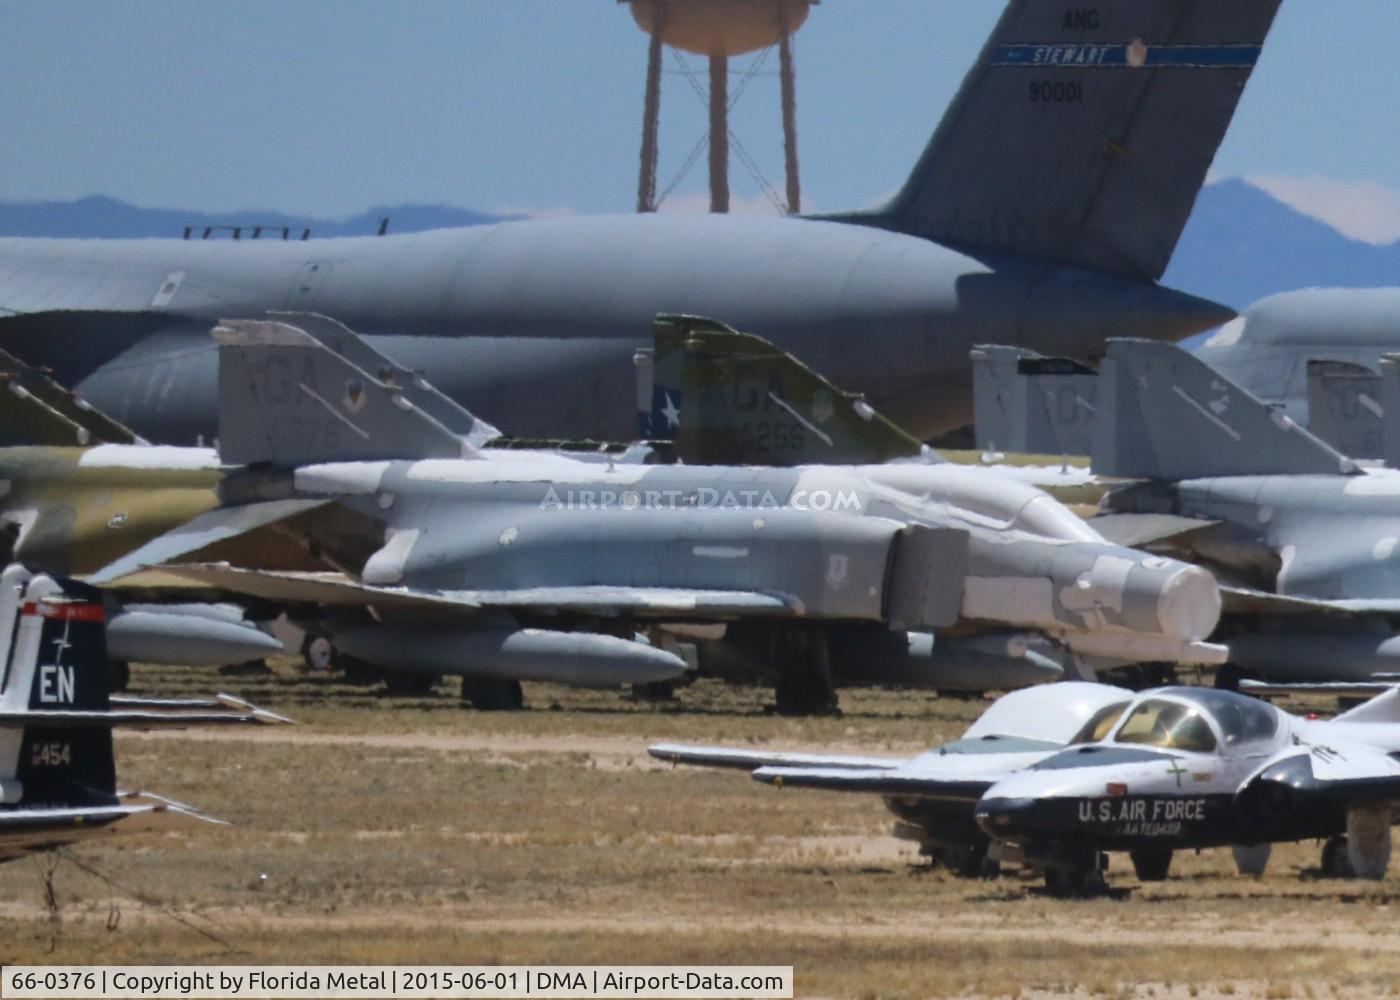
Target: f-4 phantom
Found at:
x=1301, y=535
x=57, y=775
x=502, y=566
x=78, y=489
x=1305, y=537
x=983, y=243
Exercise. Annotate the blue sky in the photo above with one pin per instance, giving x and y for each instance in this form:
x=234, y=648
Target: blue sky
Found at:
x=535, y=105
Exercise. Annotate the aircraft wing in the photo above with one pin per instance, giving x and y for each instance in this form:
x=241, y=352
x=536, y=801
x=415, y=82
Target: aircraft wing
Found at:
x=748, y=759
x=136, y=718
x=1137, y=530
x=955, y=773
x=1246, y=599
x=23, y=830
x=206, y=529
x=968, y=788
x=336, y=590
x=1340, y=689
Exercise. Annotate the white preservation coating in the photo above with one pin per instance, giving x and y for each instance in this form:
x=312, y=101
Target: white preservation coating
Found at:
x=148, y=456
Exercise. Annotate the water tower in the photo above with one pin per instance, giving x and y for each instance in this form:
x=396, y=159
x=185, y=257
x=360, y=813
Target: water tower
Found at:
x=718, y=30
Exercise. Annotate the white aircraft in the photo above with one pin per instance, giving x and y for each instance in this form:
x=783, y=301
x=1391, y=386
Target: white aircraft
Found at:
x=934, y=794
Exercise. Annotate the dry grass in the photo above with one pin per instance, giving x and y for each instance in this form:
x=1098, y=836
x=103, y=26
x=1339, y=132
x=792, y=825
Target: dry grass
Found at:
x=412, y=831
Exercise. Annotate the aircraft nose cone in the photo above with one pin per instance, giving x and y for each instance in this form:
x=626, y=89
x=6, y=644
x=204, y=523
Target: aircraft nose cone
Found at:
x=1188, y=605
x=1000, y=818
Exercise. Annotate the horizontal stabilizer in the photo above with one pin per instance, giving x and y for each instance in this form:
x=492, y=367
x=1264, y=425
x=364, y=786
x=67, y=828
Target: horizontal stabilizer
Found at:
x=748, y=759
x=27, y=829
x=138, y=719
x=212, y=526
x=38, y=410
x=1165, y=414
x=1339, y=689
x=1138, y=530
x=1245, y=600
x=288, y=400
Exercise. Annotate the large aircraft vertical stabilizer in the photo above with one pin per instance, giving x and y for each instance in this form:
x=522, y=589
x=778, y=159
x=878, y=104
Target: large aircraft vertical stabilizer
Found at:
x=1083, y=134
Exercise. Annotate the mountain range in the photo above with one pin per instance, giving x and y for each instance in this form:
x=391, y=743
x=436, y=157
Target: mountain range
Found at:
x=1239, y=245
x=108, y=218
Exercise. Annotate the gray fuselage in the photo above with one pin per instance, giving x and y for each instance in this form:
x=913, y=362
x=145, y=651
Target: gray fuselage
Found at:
x=534, y=324
x=1266, y=349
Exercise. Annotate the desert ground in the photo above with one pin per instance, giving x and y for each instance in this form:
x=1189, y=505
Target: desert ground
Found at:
x=412, y=831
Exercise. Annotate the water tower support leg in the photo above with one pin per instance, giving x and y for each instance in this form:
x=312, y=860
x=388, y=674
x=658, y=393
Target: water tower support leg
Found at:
x=651, y=117
x=789, y=95
x=719, y=134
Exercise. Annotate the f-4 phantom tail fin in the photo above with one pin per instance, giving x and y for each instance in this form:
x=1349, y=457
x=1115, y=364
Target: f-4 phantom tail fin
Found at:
x=1165, y=414
x=340, y=339
x=1344, y=407
x=1032, y=405
x=36, y=410
x=1083, y=133
x=733, y=398
x=288, y=398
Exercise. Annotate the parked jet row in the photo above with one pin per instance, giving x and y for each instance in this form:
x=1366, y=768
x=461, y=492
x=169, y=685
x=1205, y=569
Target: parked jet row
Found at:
x=729, y=397
x=57, y=776
x=1301, y=535
x=1164, y=770
x=561, y=560
x=1268, y=348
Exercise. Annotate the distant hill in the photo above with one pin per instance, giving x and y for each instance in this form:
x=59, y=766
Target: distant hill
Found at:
x=107, y=218
x=1240, y=244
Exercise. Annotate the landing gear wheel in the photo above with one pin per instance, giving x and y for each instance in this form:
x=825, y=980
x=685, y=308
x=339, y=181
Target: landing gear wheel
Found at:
x=1227, y=678
x=1159, y=674
x=1151, y=864
x=1075, y=877
x=654, y=691
x=403, y=684
x=118, y=675
x=1252, y=859
x=804, y=682
x=358, y=671
x=1368, y=841
x=489, y=695
x=245, y=668
x=967, y=861
x=1336, y=863
x=317, y=653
